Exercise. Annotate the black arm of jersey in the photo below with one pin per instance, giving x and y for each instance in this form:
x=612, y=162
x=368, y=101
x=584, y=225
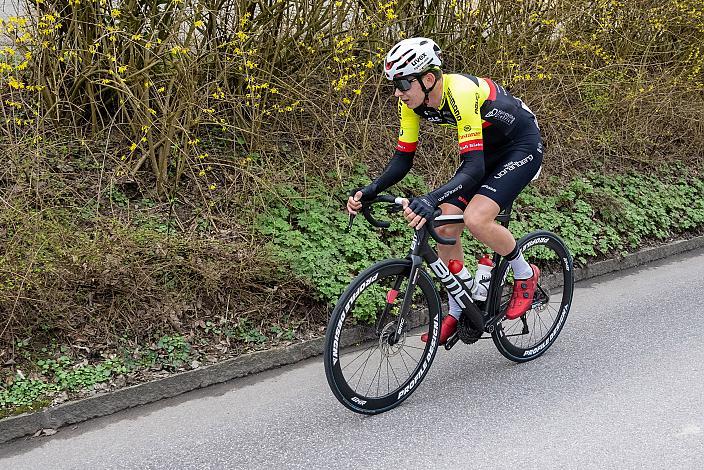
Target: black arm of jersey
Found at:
x=468, y=175
x=398, y=167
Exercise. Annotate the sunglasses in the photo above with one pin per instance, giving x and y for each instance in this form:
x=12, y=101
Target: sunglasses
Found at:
x=404, y=84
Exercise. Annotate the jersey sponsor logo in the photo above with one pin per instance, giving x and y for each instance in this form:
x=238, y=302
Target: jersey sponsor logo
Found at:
x=453, y=105
x=470, y=136
x=467, y=128
x=502, y=116
x=449, y=193
x=406, y=146
x=512, y=166
x=476, y=103
x=486, y=186
x=443, y=116
x=471, y=145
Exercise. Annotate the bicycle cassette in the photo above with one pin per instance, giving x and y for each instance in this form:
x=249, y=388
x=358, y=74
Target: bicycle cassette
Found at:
x=466, y=333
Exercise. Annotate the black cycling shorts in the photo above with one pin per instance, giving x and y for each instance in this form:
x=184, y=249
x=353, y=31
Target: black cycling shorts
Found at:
x=508, y=170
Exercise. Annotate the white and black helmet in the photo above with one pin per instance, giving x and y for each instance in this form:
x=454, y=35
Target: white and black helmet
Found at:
x=412, y=56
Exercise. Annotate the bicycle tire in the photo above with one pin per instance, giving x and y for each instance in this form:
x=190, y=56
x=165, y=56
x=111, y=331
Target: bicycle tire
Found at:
x=541, y=325
x=347, y=334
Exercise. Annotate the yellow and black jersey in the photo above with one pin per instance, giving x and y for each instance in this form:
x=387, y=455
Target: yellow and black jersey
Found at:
x=493, y=128
x=483, y=112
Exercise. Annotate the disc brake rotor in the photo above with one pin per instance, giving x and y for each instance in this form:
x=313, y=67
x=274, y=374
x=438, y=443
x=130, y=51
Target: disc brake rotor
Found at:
x=389, y=350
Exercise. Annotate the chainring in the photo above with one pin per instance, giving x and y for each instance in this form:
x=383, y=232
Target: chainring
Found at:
x=466, y=333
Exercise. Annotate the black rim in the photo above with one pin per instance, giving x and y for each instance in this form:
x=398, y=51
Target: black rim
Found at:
x=531, y=335
x=370, y=368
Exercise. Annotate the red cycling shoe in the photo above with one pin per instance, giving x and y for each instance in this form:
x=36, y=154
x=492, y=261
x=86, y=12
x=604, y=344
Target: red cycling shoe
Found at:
x=449, y=326
x=523, y=292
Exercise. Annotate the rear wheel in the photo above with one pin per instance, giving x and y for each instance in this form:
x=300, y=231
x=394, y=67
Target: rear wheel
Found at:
x=369, y=367
x=529, y=336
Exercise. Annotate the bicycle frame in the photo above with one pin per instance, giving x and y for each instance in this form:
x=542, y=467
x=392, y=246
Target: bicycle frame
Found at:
x=422, y=252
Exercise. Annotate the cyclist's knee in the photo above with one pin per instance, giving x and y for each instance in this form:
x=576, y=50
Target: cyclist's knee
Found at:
x=450, y=209
x=476, y=223
x=450, y=231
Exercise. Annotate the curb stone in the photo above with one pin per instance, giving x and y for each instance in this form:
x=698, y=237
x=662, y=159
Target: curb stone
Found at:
x=141, y=394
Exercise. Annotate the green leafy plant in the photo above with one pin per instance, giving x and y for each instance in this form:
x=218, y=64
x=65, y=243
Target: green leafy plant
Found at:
x=174, y=351
x=595, y=214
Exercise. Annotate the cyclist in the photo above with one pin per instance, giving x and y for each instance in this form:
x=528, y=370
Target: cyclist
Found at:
x=500, y=150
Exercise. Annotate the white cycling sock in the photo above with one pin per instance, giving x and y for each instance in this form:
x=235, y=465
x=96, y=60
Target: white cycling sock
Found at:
x=454, y=308
x=521, y=268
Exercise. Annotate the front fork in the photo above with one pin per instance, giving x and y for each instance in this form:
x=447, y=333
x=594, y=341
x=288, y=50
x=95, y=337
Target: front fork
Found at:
x=419, y=240
x=420, y=251
x=407, y=299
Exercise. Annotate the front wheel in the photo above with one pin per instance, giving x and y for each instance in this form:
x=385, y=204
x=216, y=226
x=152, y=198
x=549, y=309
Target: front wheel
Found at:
x=369, y=367
x=530, y=335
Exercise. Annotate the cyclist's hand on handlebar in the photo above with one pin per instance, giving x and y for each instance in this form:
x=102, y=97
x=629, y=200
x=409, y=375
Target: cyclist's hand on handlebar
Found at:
x=418, y=211
x=354, y=203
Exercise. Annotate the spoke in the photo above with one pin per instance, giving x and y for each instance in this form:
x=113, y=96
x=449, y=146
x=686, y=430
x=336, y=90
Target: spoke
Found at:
x=414, y=359
x=552, y=307
x=514, y=325
x=393, y=371
x=544, y=324
x=404, y=364
x=413, y=347
x=364, y=364
x=533, y=331
x=388, y=377
x=360, y=355
x=545, y=315
x=378, y=380
x=416, y=335
x=371, y=383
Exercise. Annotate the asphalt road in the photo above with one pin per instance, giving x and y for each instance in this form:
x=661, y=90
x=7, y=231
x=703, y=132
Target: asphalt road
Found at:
x=622, y=388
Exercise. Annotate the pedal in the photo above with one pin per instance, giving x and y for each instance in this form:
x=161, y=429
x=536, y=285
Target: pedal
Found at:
x=451, y=341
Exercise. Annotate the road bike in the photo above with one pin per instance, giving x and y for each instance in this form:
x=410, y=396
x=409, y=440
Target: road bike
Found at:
x=373, y=355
